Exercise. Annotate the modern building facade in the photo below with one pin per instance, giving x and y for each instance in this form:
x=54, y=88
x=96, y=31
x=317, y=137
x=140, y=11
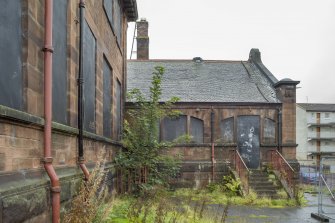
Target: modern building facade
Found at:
x=66, y=61
x=225, y=105
x=315, y=132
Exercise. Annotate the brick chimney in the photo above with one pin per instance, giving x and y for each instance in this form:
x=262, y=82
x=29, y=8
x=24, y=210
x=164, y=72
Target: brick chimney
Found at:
x=142, y=40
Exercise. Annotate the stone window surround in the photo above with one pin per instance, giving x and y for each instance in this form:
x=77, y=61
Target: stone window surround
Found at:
x=188, y=126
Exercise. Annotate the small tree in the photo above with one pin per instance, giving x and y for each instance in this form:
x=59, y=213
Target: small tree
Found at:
x=141, y=134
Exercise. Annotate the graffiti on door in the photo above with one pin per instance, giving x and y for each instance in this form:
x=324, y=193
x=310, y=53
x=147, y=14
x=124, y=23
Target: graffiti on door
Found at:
x=248, y=140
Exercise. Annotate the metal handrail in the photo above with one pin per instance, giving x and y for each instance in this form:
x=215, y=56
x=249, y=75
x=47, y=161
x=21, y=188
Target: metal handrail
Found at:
x=278, y=153
x=286, y=171
x=239, y=155
x=242, y=170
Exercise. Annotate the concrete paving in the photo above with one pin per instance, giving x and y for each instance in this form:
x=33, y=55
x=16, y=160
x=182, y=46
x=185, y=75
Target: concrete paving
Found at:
x=240, y=214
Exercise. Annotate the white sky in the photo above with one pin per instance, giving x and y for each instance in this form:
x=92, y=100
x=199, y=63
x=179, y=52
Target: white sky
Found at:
x=296, y=37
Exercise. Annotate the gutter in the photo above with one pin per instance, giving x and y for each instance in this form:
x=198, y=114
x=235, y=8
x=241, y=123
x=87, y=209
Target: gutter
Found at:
x=47, y=160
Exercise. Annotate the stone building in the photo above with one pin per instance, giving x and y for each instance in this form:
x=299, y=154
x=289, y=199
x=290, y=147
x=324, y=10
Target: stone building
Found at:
x=225, y=105
x=88, y=50
x=315, y=132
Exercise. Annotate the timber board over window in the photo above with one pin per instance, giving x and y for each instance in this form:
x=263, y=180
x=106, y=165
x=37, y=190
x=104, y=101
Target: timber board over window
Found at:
x=10, y=54
x=118, y=21
x=227, y=130
x=107, y=99
x=89, y=76
x=197, y=130
x=113, y=12
x=269, y=131
x=108, y=6
x=59, y=69
x=172, y=128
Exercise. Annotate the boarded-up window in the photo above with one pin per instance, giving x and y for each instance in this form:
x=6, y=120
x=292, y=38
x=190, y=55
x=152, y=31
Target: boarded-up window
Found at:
x=113, y=12
x=108, y=6
x=269, y=131
x=227, y=130
x=89, y=53
x=59, y=70
x=197, y=130
x=10, y=54
x=172, y=128
x=118, y=21
x=118, y=120
x=107, y=99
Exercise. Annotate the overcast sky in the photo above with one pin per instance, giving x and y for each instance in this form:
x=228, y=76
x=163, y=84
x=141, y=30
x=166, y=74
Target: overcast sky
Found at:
x=296, y=37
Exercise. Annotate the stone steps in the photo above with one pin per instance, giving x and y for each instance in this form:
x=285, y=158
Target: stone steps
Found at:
x=260, y=183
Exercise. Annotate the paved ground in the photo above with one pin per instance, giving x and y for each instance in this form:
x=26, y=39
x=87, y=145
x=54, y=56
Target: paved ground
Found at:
x=241, y=214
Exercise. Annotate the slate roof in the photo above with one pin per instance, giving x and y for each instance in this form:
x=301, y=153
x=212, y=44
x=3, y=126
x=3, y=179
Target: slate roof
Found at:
x=318, y=107
x=205, y=80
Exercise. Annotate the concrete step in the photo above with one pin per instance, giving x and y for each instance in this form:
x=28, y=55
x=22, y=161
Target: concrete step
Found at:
x=259, y=179
x=260, y=183
x=264, y=187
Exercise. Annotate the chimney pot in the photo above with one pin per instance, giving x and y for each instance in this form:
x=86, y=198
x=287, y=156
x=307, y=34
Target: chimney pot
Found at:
x=197, y=59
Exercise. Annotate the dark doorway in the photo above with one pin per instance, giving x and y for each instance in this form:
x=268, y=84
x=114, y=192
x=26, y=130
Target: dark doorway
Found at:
x=248, y=140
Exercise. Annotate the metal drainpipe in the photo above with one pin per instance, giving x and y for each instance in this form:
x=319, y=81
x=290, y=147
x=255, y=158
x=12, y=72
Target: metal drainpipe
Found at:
x=81, y=159
x=279, y=130
x=47, y=160
x=212, y=142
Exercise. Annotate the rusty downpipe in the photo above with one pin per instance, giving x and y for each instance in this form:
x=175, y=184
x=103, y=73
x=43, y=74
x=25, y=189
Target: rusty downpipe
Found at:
x=212, y=142
x=81, y=159
x=47, y=160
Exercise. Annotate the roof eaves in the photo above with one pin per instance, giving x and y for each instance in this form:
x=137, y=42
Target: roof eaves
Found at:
x=130, y=7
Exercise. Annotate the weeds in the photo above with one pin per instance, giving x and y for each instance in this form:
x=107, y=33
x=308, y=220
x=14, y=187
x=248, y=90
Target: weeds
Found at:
x=89, y=206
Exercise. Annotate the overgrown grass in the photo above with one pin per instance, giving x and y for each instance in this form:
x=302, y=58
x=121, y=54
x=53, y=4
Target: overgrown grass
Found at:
x=186, y=205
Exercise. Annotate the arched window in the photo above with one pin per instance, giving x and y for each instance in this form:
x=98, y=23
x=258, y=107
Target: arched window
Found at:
x=269, y=131
x=172, y=128
x=197, y=130
x=227, y=130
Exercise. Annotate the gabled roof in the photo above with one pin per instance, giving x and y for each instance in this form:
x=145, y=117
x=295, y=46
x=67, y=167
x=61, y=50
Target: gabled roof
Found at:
x=205, y=80
x=317, y=107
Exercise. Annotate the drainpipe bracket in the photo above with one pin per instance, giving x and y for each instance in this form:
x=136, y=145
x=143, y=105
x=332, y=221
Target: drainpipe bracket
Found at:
x=82, y=4
x=81, y=160
x=80, y=81
x=46, y=160
x=56, y=189
x=48, y=49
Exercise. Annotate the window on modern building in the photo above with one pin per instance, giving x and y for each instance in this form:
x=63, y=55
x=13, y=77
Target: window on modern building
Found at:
x=269, y=131
x=172, y=128
x=197, y=130
x=59, y=68
x=11, y=83
x=118, y=103
x=227, y=130
x=327, y=115
x=89, y=54
x=107, y=98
